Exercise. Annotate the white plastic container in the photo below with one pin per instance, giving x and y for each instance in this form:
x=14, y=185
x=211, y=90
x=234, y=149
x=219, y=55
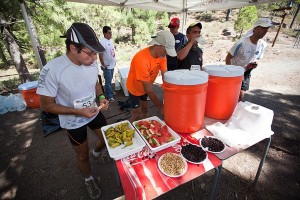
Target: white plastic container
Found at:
x=119, y=151
x=123, y=74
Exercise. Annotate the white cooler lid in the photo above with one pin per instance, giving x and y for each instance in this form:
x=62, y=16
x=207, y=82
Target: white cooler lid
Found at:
x=224, y=70
x=186, y=77
x=28, y=85
x=124, y=72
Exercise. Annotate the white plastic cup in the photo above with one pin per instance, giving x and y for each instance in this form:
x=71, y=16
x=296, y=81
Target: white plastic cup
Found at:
x=201, y=40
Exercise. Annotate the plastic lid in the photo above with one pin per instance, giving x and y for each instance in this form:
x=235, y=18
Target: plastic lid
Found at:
x=224, y=70
x=28, y=85
x=186, y=77
x=124, y=72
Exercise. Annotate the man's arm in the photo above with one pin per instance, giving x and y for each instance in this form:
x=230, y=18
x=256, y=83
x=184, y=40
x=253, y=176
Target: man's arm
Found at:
x=102, y=60
x=163, y=74
x=228, y=59
x=148, y=86
x=99, y=92
x=48, y=105
x=184, y=52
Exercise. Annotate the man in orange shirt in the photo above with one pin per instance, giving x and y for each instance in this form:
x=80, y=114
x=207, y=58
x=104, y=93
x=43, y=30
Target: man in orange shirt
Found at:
x=144, y=69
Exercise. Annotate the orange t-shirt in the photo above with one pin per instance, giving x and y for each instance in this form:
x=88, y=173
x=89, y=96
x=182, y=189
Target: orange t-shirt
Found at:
x=143, y=67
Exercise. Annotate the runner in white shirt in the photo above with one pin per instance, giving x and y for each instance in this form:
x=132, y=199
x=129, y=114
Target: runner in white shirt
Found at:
x=68, y=86
x=108, y=61
x=248, y=50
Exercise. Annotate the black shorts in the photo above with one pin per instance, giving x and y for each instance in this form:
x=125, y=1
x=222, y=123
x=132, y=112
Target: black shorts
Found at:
x=246, y=80
x=135, y=100
x=79, y=135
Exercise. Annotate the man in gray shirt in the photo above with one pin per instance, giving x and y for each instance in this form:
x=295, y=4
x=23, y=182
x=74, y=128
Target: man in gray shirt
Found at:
x=189, y=53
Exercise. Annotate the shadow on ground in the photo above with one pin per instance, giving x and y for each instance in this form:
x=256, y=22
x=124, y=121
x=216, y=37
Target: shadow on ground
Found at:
x=34, y=167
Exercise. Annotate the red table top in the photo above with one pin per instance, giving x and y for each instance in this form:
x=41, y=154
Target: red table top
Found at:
x=142, y=179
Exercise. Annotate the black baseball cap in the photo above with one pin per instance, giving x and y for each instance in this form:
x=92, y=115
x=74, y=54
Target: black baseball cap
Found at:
x=82, y=33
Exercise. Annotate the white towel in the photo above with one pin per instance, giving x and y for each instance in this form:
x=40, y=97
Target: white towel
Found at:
x=248, y=124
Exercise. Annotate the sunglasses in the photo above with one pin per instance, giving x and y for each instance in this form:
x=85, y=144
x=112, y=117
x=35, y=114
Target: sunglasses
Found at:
x=91, y=54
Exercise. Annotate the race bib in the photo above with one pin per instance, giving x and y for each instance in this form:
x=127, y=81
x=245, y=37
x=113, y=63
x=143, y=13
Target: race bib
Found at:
x=195, y=67
x=85, y=102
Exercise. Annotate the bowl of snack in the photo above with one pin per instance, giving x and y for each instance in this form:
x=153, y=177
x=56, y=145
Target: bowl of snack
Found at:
x=212, y=144
x=172, y=165
x=121, y=139
x=193, y=153
x=156, y=134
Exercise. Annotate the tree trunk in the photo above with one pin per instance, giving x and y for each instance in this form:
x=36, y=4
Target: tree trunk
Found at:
x=16, y=56
x=3, y=56
x=38, y=42
x=133, y=34
x=295, y=16
x=228, y=14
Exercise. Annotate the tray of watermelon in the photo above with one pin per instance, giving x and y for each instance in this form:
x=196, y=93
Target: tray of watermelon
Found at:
x=156, y=134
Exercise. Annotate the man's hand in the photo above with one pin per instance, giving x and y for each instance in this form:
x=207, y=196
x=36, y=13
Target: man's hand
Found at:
x=104, y=103
x=194, y=41
x=161, y=109
x=251, y=66
x=88, y=112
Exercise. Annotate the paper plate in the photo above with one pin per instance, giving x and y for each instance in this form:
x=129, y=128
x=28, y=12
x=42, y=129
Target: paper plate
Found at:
x=210, y=148
x=173, y=162
x=193, y=153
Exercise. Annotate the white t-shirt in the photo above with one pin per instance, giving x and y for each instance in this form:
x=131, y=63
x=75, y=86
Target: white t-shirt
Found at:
x=109, y=56
x=245, y=52
x=72, y=86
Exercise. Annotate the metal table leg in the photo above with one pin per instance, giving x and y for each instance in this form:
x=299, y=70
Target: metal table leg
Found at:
x=115, y=169
x=212, y=194
x=262, y=160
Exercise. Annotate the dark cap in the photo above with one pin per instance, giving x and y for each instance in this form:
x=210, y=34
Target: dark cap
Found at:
x=83, y=34
x=195, y=24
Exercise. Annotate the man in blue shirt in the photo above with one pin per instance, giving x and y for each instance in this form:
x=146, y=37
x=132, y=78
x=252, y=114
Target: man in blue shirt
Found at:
x=180, y=39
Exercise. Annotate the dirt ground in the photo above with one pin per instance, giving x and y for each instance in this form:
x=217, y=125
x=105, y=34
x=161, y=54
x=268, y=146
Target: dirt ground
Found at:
x=37, y=167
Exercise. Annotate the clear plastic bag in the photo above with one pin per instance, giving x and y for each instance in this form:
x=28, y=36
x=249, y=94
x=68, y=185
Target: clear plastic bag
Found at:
x=3, y=108
x=19, y=102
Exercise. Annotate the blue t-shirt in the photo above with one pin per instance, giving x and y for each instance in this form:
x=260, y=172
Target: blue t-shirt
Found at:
x=180, y=39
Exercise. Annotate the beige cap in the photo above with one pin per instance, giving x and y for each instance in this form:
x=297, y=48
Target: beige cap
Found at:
x=263, y=22
x=166, y=39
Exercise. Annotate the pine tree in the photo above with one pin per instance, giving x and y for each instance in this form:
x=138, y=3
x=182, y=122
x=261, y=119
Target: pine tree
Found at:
x=246, y=18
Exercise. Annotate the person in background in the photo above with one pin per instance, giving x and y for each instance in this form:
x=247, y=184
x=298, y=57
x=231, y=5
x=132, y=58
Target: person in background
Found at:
x=144, y=69
x=68, y=86
x=248, y=50
x=189, y=53
x=180, y=39
x=108, y=62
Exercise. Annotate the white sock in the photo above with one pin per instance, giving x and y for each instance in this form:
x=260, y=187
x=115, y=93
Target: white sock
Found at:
x=96, y=154
x=88, y=179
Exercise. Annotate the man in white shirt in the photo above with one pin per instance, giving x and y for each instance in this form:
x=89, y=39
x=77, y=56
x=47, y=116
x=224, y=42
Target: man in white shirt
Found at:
x=248, y=50
x=68, y=86
x=108, y=61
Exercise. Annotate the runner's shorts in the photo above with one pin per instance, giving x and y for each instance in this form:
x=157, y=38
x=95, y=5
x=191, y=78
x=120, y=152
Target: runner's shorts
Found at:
x=246, y=80
x=79, y=135
x=135, y=100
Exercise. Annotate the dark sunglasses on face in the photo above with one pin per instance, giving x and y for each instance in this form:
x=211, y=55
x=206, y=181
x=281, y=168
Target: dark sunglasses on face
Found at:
x=89, y=53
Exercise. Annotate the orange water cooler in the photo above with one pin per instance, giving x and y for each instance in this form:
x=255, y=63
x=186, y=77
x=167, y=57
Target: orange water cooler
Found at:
x=28, y=91
x=184, y=99
x=224, y=85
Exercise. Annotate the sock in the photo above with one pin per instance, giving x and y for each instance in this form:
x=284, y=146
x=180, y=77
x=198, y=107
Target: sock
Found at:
x=88, y=179
x=96, y=154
